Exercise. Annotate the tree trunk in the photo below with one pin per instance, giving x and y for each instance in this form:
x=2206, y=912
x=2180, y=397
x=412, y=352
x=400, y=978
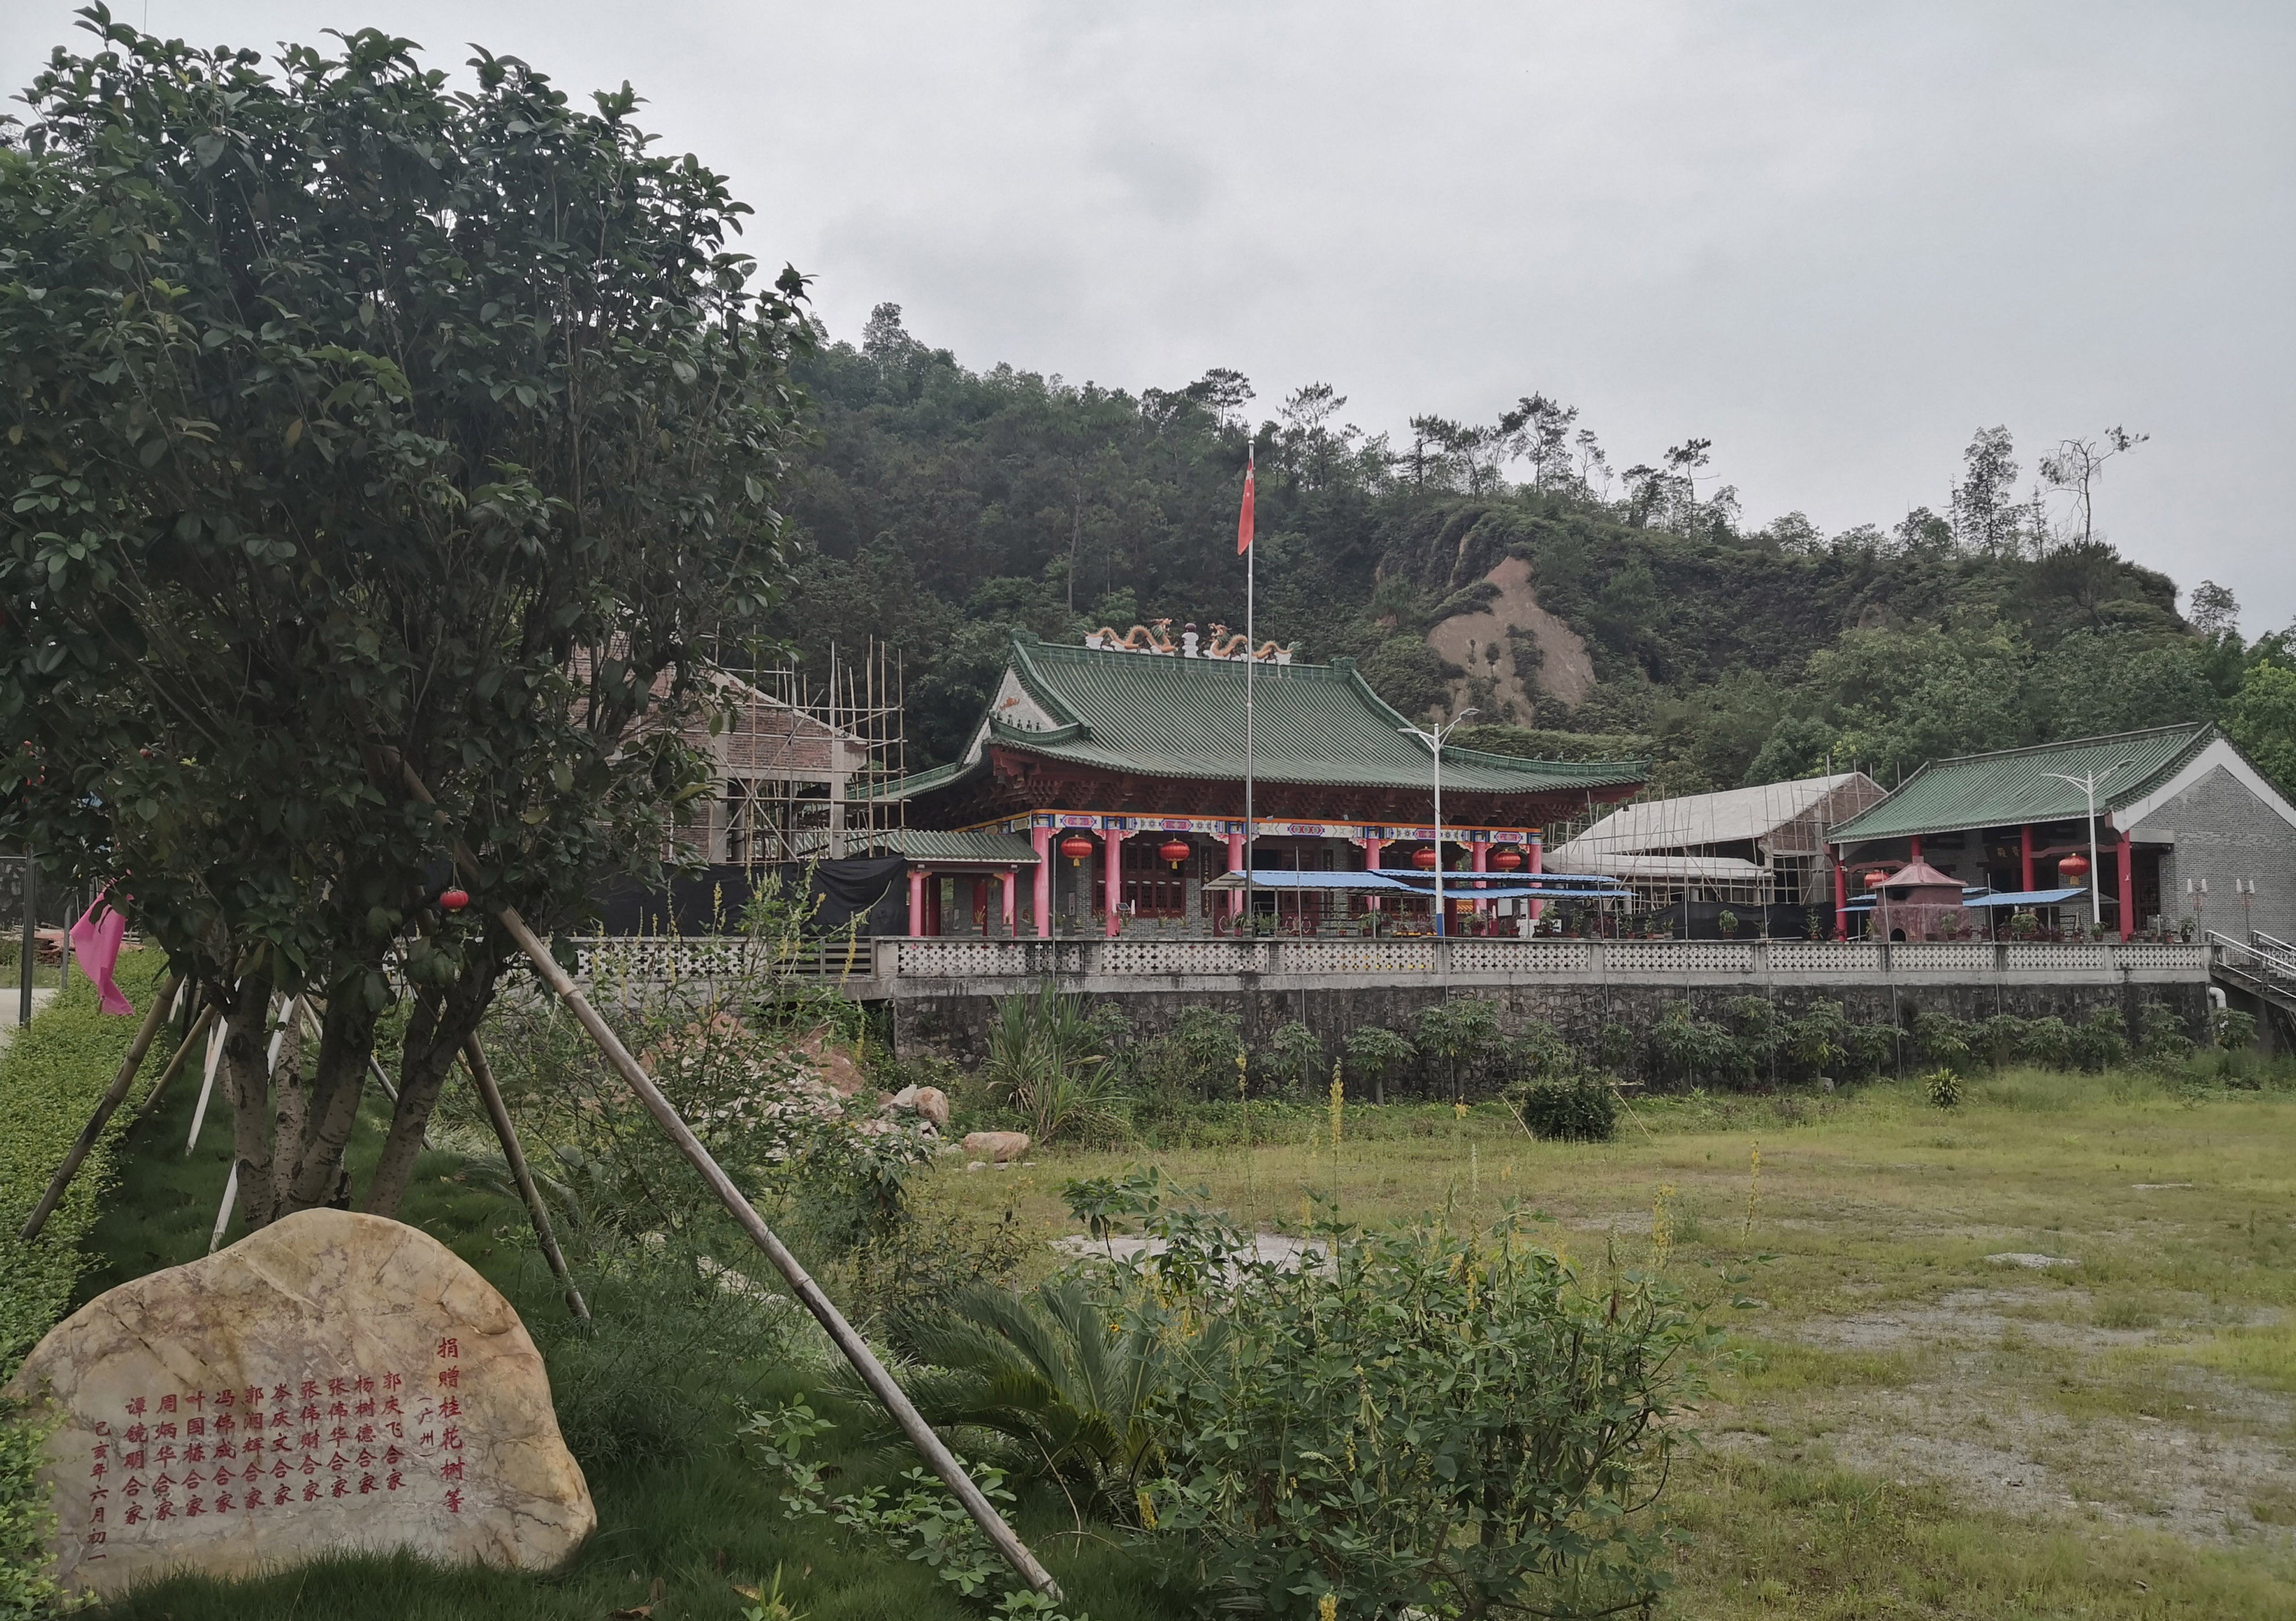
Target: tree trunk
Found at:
x=247, y=1084
x=338, y=1081
x=441, y=1025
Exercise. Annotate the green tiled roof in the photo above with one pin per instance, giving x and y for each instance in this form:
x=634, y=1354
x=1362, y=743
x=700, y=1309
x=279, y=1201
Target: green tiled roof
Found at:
x=1321, y=724
x=979, y=846
x=2014, y=786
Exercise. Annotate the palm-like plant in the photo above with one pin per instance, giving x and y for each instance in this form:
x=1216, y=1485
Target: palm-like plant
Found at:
x=1046, y=1062
x=1054, y=1373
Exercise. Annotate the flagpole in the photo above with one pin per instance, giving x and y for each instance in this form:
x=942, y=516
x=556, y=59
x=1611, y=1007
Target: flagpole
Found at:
x=1251, y=660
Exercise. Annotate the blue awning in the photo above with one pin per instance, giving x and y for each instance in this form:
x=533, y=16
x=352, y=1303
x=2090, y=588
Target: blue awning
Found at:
x=2024, y=898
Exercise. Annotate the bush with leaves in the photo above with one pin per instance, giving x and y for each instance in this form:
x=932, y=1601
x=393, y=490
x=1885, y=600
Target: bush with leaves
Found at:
x=1816, y=1043
x=2048, y=1042
x=1695, y=1050
x=1942, y=1039
x=1569, y=1108
x=1048, y=1063
x=1376, y=1052
x=1942, y=1087
x=1295, y=1053
x=2231, y=1029
x=2162, y=1040
x=1999, y=1041
x=1454, y=1036
x=1462, y=1424
x=2099, y=1042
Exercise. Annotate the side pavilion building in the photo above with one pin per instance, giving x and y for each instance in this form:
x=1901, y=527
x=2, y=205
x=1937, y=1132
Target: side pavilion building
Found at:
x=1115, y=779
x=2186, y=827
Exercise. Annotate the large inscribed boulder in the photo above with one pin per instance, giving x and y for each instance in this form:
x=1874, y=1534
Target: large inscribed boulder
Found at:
x=334, y=1381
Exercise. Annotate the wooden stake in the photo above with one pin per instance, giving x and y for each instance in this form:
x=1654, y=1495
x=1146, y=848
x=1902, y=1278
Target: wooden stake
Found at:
x=175, y=1065
x=113, y=1095
x=896, y=1402
x=206, y=1083
x=483, y=1077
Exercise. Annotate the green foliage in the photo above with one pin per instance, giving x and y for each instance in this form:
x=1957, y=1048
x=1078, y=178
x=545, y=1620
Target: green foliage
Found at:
x=1048, y=1063
x=2047, y=1042
x=1374, y=1052
x=1458, y=1422
x=1696, y=1050
x=1297, y=1052
x=1942, y=1039
x=52, y=1073
x=1569, y=1107
x=1063, y=1379
x=2099, y=1042
x=2261, y=718
x=2161, y=1038
x=923, y=1522
x=26, y=1518
x=2231, y=1029
x=1458, y=1033
x=1942, y=1087
x=348, y=414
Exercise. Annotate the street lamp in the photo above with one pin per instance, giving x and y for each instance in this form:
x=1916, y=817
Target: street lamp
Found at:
x=1434, y=741
x=2087, y=785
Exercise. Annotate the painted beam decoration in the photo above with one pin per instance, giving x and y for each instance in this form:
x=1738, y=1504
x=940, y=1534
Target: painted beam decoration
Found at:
x=1218, y=827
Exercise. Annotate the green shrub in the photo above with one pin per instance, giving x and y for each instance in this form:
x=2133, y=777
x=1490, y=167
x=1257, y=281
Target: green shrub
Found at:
x=1294, y=1052
x=1376, y=1052
x=52, y=1075
x=26, y=1518
x=1999, y=1040
x=2160, y=1034
x=1942, y=1086
x=1569, y=1107
x=2231, y=1029
x=2098, y=1044
x=1941, y=1039
x=2047, y=1042
x=1337, y=1428
x=1872, y=1048
x=1817, y=1044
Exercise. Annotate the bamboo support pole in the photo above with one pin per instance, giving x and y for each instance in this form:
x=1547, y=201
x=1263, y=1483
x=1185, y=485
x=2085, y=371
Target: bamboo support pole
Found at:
x=113, y=1095
x=896, y=1402
x=482, y=1075
x=175, y=1065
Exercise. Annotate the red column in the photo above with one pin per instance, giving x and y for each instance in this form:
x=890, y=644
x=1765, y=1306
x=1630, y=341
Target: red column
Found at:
x=1370, y=865
x=1008, y=882
x=1111, y=855
x=2128, y=877
x=1538, y=864
x=1841, y=896
x=2025, y=858
x=917, y=905
x=1235, y=865
x=1482, y=865
x=1040, y=899
x=1917, y=847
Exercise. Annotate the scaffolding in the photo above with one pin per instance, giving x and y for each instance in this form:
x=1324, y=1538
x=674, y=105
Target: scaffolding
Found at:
x=806, y=766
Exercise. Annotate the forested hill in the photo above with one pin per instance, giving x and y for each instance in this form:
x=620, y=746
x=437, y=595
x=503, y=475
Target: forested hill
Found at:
x=1508, y=565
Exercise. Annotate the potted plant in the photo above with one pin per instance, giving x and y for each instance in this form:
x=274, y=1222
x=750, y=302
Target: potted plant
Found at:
x=1728, y=924
x=2024, y=926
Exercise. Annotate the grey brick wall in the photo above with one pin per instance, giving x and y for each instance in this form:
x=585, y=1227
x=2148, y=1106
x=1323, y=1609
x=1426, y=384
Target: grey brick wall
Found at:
x=2223, y=831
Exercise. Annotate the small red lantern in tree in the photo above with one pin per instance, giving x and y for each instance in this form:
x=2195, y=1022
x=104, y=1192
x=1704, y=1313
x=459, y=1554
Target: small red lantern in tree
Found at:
x=453, y=900
x=1508, y=860
x=1424, y=859
x=1174, y=850
x=1076, y=846
x=2073, y=868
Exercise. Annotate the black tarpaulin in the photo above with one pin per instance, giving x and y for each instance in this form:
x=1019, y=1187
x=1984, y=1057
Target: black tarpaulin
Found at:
x=873, y=889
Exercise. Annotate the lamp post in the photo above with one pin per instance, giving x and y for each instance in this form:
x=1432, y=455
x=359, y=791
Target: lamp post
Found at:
x=2087, y=785
x=1434, y=741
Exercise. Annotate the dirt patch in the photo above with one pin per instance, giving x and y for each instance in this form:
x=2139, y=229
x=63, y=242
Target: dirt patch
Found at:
x=1565, y=672
x=1988, y=1417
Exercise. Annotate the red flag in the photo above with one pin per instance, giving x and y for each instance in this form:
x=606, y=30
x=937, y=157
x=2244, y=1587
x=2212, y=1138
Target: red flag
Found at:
x=1243, y=520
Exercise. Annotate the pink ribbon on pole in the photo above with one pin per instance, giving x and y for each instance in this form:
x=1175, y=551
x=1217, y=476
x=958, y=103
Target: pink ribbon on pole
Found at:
x=95, y=942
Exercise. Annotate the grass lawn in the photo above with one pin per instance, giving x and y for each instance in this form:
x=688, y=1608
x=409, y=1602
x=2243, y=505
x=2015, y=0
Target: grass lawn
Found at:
x=1912, y=1428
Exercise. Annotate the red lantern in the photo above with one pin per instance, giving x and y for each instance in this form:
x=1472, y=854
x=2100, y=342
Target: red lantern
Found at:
x=2073, y=869
x=1425, y=860
x=454, y=900
x=1076, y=846
x=1174, y=850
x=1508, y=860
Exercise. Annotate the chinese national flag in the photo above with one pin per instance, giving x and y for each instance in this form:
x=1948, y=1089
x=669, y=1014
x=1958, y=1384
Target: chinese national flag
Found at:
x=1243, y=520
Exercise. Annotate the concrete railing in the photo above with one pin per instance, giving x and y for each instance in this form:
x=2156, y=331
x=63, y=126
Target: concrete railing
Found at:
x=913, y=960
x=897, y=966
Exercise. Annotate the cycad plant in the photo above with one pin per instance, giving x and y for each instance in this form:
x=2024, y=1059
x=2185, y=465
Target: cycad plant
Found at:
x=1054, y=1373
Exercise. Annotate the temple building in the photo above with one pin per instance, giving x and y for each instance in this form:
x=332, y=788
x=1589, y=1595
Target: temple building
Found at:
x=2184, y=829
x=1102, y=792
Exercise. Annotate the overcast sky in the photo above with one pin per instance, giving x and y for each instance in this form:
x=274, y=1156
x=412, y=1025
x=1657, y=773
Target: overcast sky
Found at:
x=1833, y=239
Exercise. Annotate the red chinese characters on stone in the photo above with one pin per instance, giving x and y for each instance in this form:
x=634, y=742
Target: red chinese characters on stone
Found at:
x=207, y=1458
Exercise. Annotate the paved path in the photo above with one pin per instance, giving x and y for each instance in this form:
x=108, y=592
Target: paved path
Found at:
x=10, y=1003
